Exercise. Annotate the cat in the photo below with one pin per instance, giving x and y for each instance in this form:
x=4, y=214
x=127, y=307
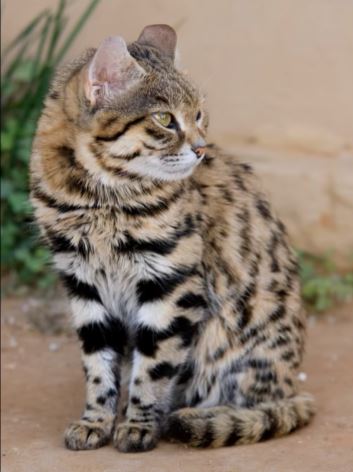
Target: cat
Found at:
x=174, y=262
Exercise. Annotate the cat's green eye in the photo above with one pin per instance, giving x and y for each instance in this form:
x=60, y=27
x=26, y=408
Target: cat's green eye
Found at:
x=165, y=119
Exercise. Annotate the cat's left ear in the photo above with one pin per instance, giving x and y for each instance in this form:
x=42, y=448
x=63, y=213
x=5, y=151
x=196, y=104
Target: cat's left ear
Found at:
x=112, y=71
x=162, y=37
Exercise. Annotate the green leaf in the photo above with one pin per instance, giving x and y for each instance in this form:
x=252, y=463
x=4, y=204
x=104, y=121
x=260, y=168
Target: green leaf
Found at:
x=6, y=187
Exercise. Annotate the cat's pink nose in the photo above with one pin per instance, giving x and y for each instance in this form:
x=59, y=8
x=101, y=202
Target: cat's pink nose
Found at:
x=200, y=151
x=198, y=146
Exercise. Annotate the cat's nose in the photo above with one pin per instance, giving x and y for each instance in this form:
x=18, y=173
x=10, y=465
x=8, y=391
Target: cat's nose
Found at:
x=199, y=147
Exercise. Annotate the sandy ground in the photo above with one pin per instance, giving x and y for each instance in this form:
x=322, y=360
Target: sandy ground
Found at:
x=42, y=390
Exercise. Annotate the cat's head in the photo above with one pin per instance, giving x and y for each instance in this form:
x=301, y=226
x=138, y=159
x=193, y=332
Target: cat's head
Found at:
x=144, y=116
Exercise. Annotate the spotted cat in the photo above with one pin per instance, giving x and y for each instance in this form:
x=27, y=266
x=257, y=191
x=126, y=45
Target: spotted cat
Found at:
x=174, y=262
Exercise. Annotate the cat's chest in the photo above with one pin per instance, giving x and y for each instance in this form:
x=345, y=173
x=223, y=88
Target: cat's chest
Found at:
x=115, y=255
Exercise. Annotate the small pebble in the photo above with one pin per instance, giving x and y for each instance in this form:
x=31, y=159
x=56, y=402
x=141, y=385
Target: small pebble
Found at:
x=13, y=343
x=53, y=346
x=302, y=376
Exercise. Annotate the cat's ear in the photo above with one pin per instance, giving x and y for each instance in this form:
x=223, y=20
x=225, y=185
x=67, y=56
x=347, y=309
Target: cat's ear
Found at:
x=112, y=71
x=162, y=37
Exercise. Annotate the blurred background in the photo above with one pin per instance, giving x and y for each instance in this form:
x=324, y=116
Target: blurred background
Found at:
x=279, y=79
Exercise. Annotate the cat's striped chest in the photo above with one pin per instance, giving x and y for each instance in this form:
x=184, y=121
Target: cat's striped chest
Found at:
x=114, y=254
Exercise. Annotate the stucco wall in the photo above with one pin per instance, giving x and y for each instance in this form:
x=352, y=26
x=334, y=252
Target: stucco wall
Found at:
x=279, y=78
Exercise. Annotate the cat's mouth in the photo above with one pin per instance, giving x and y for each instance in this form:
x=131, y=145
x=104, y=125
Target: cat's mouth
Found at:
x=166, y=167
x=180, y=163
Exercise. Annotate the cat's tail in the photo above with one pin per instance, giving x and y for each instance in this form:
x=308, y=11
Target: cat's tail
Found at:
x=226, y=425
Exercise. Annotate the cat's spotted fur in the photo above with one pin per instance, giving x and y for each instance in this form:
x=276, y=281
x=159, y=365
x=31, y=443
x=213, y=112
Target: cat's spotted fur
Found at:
x=172, y=257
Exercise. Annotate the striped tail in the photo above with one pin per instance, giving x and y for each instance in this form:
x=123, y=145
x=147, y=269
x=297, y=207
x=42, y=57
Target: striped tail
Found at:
x=226, y=426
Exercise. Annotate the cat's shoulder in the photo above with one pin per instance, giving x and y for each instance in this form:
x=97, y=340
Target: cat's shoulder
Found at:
x=219, y=165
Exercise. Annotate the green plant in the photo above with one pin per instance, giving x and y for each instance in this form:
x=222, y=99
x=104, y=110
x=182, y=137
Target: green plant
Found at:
x=322, y=286
x=29, y=62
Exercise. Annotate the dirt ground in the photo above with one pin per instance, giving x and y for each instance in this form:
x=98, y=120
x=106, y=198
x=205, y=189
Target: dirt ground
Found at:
x=42, y=390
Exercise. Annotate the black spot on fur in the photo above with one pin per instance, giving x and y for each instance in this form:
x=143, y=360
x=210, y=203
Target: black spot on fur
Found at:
x=191, y=300
x=287, y=356
x=263, y=208
x=259, y=363
x=239, y=182
x=101, y=400
x=135, y=400
x=111, y=393
x=278, y=313
x=97, y=380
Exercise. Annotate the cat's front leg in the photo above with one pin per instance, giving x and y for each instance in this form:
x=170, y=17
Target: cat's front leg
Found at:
x=162, y=344
x=103, y=339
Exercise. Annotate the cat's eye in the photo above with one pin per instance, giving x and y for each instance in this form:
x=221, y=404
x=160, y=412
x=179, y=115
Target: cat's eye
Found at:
x=165, y=119
x=198, y=116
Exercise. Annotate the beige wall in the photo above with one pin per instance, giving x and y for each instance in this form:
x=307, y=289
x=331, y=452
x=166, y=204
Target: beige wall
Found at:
x=279, y=79
x=277, y=70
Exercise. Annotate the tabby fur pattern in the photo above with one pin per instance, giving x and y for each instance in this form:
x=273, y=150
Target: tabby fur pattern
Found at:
x=175, y=264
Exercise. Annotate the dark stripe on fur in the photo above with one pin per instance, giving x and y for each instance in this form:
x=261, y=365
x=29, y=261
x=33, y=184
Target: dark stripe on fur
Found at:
x=158, y=246
x=243, y=305
x=208, y=436
x=59, y=243
x=154, y=133
x=53, y=203
x=163, y=285
x=143, y=210
x=68, y=153
x=79, y=289
x=97, y=336
x=126, y=157
x=120, y=133
x=147, y=339
x=263, y=208
x=163, y=370
x=234, y=435
x=271, y=425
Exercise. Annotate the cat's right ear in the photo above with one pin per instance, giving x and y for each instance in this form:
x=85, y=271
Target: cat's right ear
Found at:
x=112, y=71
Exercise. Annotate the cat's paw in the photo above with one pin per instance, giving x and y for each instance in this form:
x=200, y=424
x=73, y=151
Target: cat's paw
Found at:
x=82, y=435
x=134, y=437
